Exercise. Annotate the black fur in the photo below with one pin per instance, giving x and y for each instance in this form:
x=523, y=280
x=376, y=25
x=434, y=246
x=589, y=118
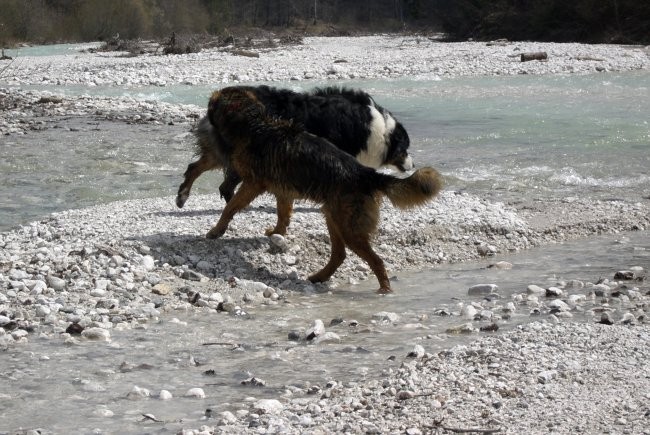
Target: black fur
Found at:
x=342, y=116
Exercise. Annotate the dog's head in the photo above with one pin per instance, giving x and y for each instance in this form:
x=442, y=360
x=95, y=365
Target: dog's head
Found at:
x=232, y=106
x=398, y=155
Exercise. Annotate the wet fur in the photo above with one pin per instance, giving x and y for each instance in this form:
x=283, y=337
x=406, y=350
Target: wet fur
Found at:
x=280, y=157
x=348, y=118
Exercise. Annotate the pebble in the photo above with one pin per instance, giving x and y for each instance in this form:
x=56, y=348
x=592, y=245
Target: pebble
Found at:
x=99, y=334
x=161, y=289
x=56, y=283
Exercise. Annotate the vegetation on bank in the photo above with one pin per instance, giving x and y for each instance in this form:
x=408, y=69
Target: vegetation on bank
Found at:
x=42, y=21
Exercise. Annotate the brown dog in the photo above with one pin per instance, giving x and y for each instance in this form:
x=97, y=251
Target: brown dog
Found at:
x=276, y=156
x=348, y=118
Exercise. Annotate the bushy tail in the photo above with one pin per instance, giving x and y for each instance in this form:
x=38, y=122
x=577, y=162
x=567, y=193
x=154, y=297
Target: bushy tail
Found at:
x=422, y=186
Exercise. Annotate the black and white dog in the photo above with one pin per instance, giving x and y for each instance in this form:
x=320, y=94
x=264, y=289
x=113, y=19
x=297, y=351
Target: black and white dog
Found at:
x=350, y=119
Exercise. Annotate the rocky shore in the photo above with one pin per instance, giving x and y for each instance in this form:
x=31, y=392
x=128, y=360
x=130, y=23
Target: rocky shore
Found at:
x=79, y=275
x=368, y=57
x=82, y=274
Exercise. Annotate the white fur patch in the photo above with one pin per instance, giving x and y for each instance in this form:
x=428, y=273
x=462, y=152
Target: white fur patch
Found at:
x=375, y=152
x=408, y=163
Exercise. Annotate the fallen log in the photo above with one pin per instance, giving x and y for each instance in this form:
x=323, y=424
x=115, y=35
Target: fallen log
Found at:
x=540, y=55
x=245, y=53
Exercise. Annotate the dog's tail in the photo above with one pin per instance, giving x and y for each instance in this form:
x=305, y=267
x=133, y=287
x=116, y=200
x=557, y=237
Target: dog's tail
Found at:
x=422, y=186
x=205, y=137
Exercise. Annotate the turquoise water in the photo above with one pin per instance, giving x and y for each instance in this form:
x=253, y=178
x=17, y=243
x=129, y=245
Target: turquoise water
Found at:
x=50, y=50
x=504, y=138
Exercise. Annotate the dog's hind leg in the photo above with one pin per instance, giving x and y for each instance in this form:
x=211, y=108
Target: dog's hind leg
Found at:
x=246, y=193
x=230, y=182
x=356, y=231
x=338, y=251
x=194, y=171
x=284, y=210
x=360, y=245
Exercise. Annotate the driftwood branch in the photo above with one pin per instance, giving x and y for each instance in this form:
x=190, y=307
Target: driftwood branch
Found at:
x=245, y=53
x=540, y=55
x=470, y=430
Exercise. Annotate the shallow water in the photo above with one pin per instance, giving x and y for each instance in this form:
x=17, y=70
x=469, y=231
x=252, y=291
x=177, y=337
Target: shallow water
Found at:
x=77, y=381
x=504, y=138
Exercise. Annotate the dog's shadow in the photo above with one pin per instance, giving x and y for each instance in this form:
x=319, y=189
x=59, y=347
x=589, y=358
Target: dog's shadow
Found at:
x=217, y=211
x=225, y=257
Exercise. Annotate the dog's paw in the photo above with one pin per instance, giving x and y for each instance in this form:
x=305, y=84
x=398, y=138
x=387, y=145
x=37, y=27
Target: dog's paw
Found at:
x=226, y=195
x=315, y=278
x=215, y=233
x=271, y=231
x=385, y=291
x=180, y=200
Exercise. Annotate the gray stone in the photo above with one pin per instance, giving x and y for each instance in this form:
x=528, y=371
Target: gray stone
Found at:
x=535, y=290
x=482, y=289
x=57, y=284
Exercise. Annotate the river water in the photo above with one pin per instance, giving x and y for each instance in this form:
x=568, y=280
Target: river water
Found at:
x=503, y=138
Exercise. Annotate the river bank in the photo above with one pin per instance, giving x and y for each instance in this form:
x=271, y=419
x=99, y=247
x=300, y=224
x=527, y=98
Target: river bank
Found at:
x=76, y=277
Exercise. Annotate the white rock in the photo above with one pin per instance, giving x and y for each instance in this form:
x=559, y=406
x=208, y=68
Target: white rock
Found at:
x=164, y=395
x=576, y=298
x=468, y=311
x=137, y=393
x=103, y=412
x=328, y=336
x=100, y=334
x=228, y=417
x=196, y=393
x=267, y=406
x=17, y=275
x=278, y=241
x=98, y=292
x=42, y=310
x=17, y=334
x=559, y=305
x=148, y=262
x=317, y=329
x=386, y=316
x=417, y=352
x=535, y=290
x=546, y=376
x=56, y=283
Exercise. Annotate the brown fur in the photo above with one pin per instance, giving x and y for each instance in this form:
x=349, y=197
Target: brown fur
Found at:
x=278, y=157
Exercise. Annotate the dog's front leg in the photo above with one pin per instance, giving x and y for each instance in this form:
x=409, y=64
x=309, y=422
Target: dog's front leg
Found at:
x=244, y=196
x=284, y=210
x=194, y=171
x=230, y=182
